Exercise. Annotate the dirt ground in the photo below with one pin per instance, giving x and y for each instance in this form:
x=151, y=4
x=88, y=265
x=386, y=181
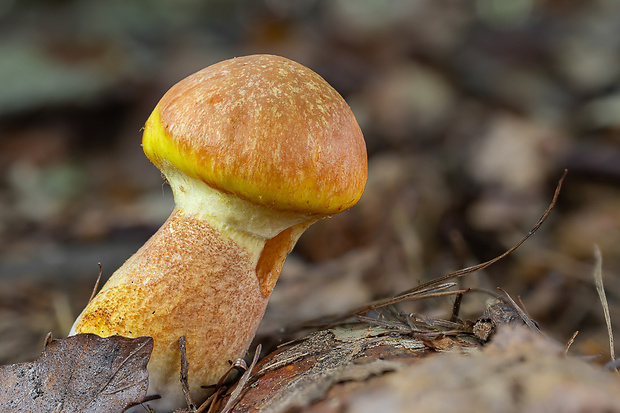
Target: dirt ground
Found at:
x=471, y=112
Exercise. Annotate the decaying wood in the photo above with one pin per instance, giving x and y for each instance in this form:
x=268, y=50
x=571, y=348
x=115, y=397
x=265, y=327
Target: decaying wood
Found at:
x=303, y=372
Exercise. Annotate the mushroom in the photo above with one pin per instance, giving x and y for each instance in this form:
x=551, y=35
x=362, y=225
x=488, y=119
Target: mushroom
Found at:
x=256, y=149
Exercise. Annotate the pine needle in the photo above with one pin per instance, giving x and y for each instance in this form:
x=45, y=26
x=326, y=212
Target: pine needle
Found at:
x=600, y=289
x=570, y=343
x=92, y=295
x=527, y=320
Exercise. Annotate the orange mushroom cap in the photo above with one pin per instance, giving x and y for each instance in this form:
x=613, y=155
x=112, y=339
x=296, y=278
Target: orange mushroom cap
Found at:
x=265, y=129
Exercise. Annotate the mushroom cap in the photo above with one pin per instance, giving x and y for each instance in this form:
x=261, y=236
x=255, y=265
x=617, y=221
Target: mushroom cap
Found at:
x=266, y=129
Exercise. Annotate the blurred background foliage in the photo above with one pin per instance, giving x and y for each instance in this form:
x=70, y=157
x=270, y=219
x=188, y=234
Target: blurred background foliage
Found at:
x=471, y=111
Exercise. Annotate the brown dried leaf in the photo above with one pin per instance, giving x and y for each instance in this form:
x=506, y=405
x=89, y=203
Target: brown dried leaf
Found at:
x=79, y=373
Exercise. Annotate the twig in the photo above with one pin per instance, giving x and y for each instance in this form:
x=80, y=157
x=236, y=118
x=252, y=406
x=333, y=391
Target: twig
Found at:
x=238, y=364
x=570, y=343
x=431, y=291
x=221, y=388
x=92, y=295
x=600, y=289
x=142, y=402
x=392, y=325
x=234, y=396
x=215, y=400
x=48, y=339
x=456, y=307
x=459, y=246
x=521, y=305
x=209, y=402
x=184, y=375
x=436, y=322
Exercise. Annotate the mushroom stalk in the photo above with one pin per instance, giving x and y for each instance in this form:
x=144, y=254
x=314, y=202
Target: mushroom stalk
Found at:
x=215, y=262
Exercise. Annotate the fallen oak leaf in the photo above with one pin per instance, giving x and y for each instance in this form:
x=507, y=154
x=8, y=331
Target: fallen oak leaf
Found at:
x=80, y=373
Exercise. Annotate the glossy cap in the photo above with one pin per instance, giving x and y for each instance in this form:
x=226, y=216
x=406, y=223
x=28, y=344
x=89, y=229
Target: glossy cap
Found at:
x=266, y=129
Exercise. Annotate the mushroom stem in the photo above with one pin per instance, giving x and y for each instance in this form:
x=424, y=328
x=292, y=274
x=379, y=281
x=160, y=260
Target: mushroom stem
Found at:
x=206, y=274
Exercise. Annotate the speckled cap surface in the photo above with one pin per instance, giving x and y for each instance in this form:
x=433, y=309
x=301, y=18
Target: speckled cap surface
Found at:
x=266, y=129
